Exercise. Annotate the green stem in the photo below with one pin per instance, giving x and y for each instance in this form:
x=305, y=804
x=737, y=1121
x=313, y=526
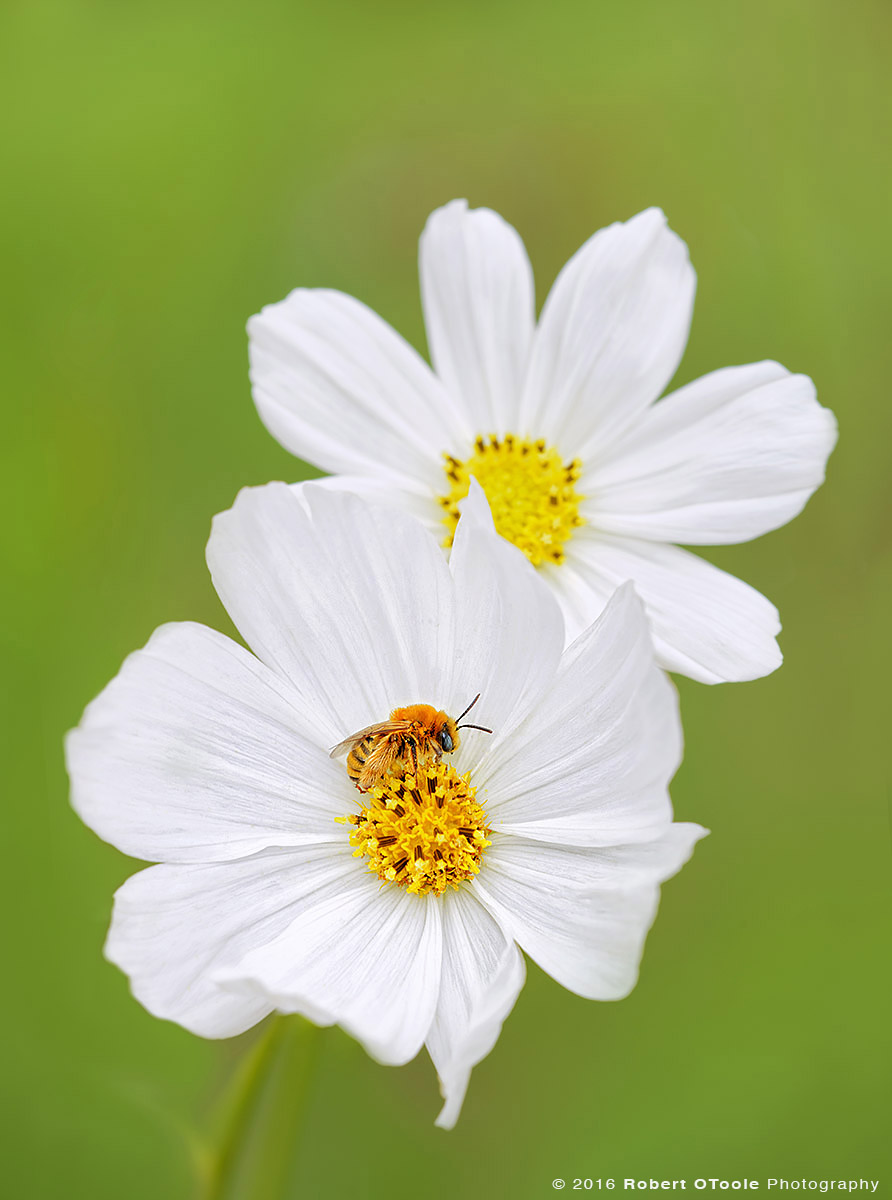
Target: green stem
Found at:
x=257, y=1149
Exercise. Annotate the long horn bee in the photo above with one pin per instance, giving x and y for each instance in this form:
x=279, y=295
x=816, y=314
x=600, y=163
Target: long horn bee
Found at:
x=415, y=734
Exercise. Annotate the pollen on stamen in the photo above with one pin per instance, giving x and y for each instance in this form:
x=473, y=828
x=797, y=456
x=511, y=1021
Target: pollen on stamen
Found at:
x=530, y=489
x=434, y=843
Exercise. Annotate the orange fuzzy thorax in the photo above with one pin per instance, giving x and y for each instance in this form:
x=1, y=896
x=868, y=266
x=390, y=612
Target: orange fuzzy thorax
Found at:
x=430, y=721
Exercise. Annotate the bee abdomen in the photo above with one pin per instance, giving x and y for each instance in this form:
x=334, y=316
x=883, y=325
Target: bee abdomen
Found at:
x=357, y=756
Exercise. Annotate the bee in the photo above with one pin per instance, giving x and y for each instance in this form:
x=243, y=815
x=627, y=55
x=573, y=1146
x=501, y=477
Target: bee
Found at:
x=416, y=733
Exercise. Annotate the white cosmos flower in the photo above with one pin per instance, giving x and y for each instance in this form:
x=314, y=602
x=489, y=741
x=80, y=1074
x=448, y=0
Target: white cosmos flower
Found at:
x=557, y=421
x=215, y=764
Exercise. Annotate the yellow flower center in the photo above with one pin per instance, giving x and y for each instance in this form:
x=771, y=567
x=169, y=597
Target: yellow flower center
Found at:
x=424, y=831
x=530, y=492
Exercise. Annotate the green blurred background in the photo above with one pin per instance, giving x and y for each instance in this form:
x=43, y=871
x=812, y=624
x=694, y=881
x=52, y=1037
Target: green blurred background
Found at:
x=171, y=167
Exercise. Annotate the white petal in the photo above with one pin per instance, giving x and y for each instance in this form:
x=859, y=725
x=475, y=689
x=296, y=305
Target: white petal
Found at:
x=195, y=752
x=582, y=915
x=338, y=387
x=367, y=958
x=581, y=592
x=483, y=972
x=584, y=869
x=479, y=309
x=351, y=602
x=509, y=630
x=174, y=926
x=726, y=458
x=389, y=493
x=592, y=763
x=706, y=624
x=610, y=337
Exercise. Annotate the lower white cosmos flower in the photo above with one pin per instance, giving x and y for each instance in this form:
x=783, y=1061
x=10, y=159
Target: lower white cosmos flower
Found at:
x=583, y=471
x=555, y=831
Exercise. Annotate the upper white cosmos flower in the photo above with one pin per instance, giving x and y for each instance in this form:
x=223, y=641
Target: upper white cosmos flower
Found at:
x=556, y=831
x=590, y=477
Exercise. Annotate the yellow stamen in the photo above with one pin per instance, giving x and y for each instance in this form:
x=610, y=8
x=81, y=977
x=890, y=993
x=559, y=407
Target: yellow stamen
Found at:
x=530, y=491
x=423, y=831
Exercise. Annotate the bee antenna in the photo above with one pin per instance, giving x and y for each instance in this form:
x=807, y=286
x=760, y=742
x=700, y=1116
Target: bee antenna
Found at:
x=482, y=728
x=468, y=709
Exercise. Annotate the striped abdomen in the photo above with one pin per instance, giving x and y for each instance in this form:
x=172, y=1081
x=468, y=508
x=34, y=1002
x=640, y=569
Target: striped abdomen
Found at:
x=358, y=756
x=378, y=754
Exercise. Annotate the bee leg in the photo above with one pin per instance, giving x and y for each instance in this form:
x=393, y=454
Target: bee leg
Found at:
x=414, y=759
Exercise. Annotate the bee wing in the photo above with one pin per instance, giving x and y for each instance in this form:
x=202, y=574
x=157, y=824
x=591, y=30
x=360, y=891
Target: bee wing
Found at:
x=348, y=743
x=382, y=728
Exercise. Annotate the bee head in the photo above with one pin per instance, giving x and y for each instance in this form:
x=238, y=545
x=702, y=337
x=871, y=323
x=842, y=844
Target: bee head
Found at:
x=447, y=733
